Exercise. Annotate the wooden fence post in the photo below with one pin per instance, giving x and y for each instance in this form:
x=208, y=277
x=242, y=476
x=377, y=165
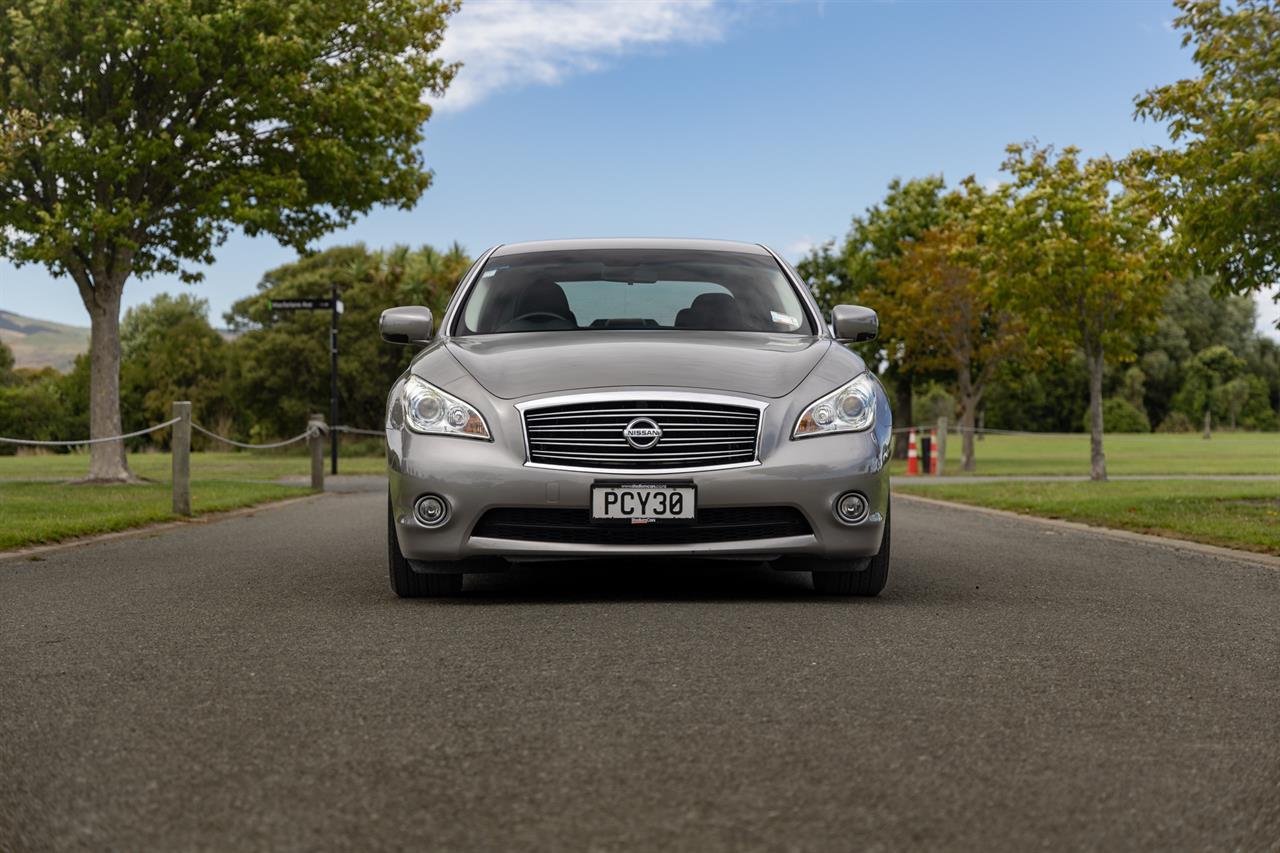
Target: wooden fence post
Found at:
x=942, y=445
x=180, y=450
x=316, y=443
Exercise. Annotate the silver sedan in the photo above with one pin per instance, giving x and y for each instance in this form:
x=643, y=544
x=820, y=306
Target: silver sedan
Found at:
x=636, y=398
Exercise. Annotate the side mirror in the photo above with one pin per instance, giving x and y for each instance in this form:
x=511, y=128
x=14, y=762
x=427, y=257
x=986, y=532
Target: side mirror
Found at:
x=406, y=326
x=854, y=324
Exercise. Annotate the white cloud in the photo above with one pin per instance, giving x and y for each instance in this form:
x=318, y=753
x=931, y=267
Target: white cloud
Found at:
x=508, y=44
x=797, y=249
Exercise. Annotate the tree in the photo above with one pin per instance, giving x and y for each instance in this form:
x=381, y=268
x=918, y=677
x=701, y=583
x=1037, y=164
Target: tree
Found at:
x=1084, y=262
x=1231, y=397
x=880, y=234
x=1133, y=388
x=32, y=409
x=1220, y=184
x=171, y=352
x=1255, y=410
x=1205, y=374
x=6, y=365
x=135, y=135
x=942, y=299
x=1192, y=319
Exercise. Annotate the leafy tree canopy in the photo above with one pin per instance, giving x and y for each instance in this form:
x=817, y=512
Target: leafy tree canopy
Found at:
x=1220, y=181
x=136, y=135
x=140, y=133
x=908, y=210
x=1086, y=267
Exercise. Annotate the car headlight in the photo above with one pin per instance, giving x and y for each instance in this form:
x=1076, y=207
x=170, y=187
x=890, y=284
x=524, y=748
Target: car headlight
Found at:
x=430, y=411
x=851, y=408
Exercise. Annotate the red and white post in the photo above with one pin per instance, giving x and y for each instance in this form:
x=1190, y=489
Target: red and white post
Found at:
x=913, y=456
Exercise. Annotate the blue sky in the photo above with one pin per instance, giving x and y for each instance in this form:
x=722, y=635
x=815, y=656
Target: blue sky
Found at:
x=769, y=122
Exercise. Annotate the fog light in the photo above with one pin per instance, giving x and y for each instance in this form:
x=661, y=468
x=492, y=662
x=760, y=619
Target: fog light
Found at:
x=431, y=511
x=851, y=508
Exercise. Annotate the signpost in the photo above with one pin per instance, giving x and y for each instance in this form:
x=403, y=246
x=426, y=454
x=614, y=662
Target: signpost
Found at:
x=334, y=306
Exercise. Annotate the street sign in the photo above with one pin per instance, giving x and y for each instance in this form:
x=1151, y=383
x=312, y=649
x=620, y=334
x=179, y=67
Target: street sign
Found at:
x=301, y=305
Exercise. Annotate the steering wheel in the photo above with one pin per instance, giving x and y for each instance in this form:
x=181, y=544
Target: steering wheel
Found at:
x=539, y=317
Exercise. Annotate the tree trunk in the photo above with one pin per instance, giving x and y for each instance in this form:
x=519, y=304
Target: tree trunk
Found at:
x=968, y=419
x=968, y=412
x=1097, y=460
x=902, y=390
x=106, y=460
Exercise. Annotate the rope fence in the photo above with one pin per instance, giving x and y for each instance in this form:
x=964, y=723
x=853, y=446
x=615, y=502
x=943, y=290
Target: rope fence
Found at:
x=26, y=442
x=309, y=432
x=302, y=436
x=180, y=447
x=355, y=431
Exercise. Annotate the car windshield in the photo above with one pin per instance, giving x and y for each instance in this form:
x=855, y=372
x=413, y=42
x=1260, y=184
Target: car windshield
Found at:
x=603, y=289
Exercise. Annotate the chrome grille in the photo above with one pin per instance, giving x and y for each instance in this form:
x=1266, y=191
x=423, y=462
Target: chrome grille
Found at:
x=695, y=434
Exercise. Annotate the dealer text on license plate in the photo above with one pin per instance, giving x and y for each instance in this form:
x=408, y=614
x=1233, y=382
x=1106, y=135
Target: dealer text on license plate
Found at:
x=643, y=503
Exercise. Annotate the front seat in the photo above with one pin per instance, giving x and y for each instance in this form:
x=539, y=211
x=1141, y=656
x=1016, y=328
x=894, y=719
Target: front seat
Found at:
x=544, y=296
x=715, y=311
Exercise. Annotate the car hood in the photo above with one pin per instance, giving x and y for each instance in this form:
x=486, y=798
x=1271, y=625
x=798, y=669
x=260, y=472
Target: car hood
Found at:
x=528, y=363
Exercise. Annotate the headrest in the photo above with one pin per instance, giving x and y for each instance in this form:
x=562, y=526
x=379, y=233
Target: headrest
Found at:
x=543, y=295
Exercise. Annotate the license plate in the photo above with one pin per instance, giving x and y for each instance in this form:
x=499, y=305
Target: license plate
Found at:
x=643, y=503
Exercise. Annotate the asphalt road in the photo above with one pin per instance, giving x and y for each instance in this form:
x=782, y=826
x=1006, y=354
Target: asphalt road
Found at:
x=252, y=684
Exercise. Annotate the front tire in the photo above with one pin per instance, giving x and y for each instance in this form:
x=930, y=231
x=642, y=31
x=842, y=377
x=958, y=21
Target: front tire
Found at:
x=405, y=582
x=867, y=583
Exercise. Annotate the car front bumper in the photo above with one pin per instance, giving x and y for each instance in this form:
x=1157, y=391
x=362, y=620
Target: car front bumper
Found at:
x=476, y=476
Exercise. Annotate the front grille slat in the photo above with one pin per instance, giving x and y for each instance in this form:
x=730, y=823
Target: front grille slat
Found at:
x=719, y=418
x=690, y=445
x=596, y=438
x=541, y=414
x=694, y=434
x=573, y=526
x=616, y=429
x=663, y=457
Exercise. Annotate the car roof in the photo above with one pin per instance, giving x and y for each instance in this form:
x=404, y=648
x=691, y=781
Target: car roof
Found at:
x=629, y=243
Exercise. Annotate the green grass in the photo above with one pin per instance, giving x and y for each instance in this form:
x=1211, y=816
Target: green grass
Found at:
x=1233, y=514
x=38, y=505
x=1157, y=453
x=35, y=513
x=255, y=465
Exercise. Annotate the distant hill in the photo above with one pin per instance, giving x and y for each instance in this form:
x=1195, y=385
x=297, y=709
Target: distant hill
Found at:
x=41, y=343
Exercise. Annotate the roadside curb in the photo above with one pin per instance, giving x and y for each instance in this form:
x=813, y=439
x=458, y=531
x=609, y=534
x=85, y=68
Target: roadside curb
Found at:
x=209, y=518
x=1124, y=535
